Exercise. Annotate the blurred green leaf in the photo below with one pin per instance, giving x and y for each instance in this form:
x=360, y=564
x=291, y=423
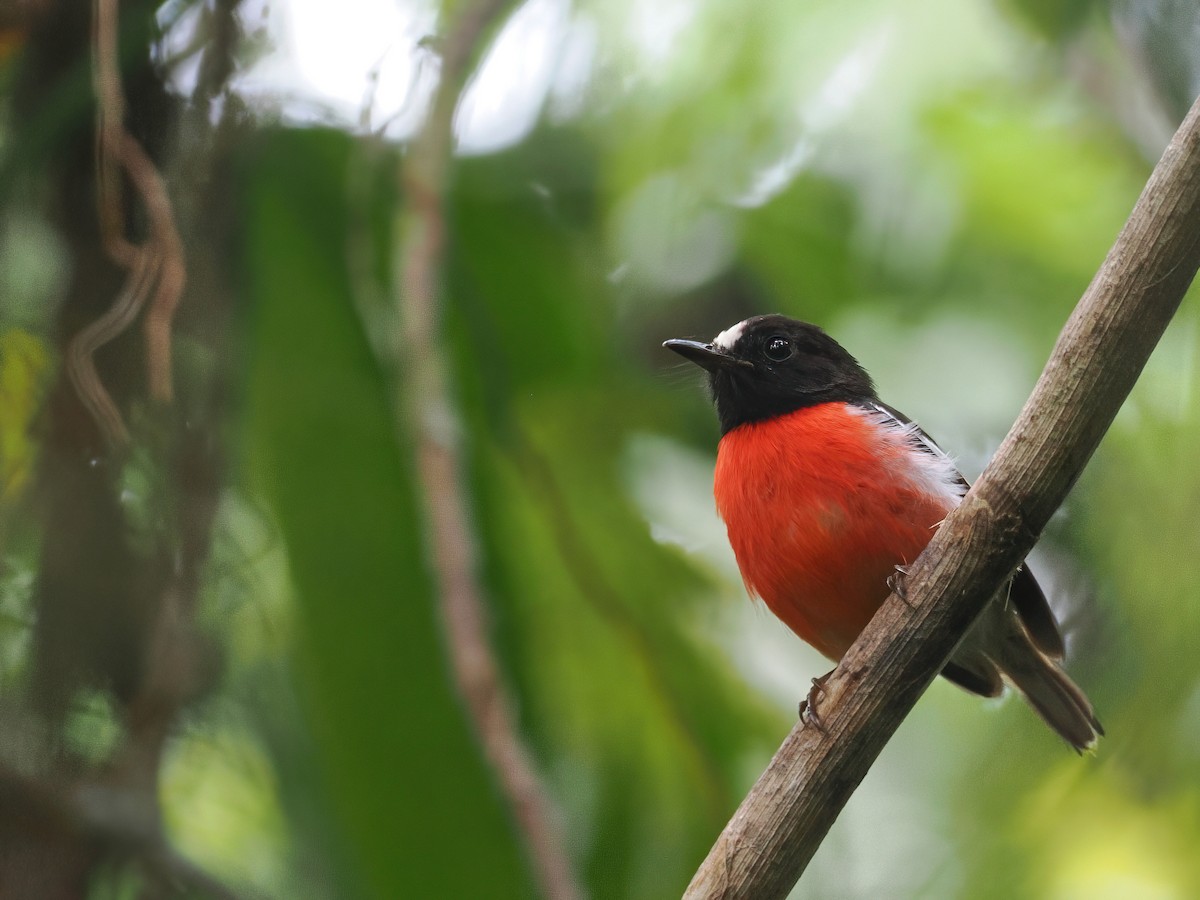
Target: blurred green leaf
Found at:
x=402, y=773
x=1057, y=20
x=1038, y=183
x=24, y=361
x=599, y=621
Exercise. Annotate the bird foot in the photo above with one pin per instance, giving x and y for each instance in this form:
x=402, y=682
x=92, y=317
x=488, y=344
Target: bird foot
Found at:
x=896, y=585
x=808, y=706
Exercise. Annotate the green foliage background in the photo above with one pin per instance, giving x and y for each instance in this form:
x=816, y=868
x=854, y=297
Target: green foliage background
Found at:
x=935, y=184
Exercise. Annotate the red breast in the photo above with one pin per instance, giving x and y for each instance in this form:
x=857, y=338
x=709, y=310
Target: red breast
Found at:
x=821, y=504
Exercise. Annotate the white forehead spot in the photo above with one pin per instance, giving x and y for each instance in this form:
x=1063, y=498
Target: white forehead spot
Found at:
x=727, y=338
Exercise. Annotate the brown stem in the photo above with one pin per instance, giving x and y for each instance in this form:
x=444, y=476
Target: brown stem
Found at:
x=431, y=415
x=1100, y=353
x=156, y=270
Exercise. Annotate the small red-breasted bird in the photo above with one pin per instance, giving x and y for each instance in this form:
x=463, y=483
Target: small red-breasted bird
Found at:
x=826, y=490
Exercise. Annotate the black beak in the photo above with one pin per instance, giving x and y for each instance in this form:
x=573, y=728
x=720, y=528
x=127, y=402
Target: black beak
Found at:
x=706, y=356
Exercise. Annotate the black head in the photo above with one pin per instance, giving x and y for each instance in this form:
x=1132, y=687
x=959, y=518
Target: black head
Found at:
x=770, y=365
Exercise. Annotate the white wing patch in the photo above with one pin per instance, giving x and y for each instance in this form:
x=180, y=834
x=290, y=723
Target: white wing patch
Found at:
x=932, y=469
x=730, y=336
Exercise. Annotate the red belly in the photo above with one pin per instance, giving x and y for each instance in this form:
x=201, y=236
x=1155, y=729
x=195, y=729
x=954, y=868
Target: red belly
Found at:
x=821, y=504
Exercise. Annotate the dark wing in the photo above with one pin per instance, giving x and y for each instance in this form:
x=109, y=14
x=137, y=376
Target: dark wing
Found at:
x=979, y=675
x=1024, y=592
x=1026, y=595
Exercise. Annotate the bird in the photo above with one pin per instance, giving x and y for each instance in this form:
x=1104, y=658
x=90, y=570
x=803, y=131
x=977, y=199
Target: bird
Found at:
x=826, y=492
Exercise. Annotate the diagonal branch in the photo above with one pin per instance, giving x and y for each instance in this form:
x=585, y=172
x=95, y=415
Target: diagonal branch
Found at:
x=433, y=419
x=1100, y=353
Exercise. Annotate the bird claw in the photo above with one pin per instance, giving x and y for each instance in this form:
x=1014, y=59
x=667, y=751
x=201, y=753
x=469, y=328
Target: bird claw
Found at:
x=808, y=706
x=895, y=583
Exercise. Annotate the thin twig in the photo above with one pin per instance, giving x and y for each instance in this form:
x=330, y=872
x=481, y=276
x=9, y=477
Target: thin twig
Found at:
x=154, y=270
x=80, y=360
x=433, y=418
x=1100, y=353
x=110, y=118
x=166, y=245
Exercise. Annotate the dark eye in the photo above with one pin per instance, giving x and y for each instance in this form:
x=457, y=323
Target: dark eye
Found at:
x=778, y=348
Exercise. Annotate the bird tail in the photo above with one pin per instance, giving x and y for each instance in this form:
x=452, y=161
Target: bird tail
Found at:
x=1057, y=699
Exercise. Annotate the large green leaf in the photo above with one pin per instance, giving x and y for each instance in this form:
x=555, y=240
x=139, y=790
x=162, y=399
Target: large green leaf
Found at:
x=644, y=725
x=405, y=779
